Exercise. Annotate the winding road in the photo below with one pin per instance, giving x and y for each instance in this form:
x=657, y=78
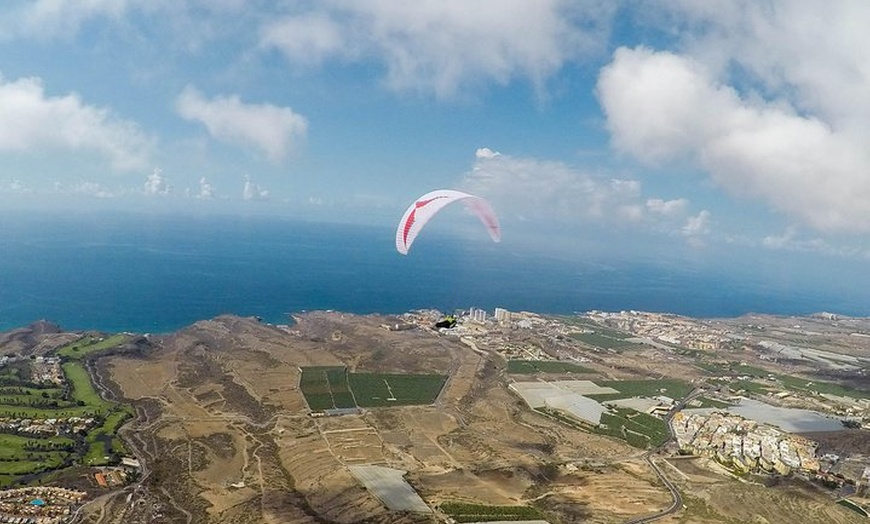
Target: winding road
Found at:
x=677, y=502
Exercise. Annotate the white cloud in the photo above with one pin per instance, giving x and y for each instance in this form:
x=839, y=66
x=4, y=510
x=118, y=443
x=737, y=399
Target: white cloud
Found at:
x=791, y=240
x=51, y=18
x=31, y=121
x=192, y=21
x=662, y=107
x=442, y=46
x=307, y=38
x=812, y=54
x=14, y=186
x=485, y=152
x=206, y=191
x=252, y=191
x=93, y=189
x=697, y=225
x=156, y=184
x=667, y=207
x=532, y=189
x=272, y=129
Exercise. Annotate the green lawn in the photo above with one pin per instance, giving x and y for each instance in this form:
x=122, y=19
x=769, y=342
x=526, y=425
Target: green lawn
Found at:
x=82, y=388
x=89, y=345
x=33, y=454
x=117, y=418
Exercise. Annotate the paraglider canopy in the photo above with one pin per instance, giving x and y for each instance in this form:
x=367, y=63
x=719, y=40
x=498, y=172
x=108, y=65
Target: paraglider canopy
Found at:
x=428, y=205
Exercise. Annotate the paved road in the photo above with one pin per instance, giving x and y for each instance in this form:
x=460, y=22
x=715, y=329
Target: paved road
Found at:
x=677, y=502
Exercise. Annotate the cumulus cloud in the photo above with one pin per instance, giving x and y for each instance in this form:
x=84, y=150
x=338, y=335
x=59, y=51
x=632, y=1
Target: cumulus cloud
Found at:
x=15, y=186
x=93, y=189
x=485, y=152
x=441, y=46
x=31, y=121
x=252, y=191
x=532, y=189
x=662, y=107
x=156, y=184
x=667, y=207
x=271, y=129
x=793, y=240
x=52, y=18
x=697, y=225
x=788, y=49
x=307, y=38
x=206, y=191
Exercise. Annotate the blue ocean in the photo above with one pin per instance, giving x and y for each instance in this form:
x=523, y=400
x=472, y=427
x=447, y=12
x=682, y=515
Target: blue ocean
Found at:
x=156, y=274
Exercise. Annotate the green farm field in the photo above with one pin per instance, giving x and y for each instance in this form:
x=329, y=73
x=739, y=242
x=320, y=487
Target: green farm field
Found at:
x=638, y=429
x=387, y=389
x=464, y=512
x=673, y=388
x=544, y=366
x=334, y=387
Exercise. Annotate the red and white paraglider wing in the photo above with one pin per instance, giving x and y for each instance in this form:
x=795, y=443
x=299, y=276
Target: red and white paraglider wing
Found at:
x=428, y=205
x=484, y=211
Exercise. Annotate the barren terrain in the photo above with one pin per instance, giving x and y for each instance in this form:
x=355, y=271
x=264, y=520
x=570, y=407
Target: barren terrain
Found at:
x=226, y=437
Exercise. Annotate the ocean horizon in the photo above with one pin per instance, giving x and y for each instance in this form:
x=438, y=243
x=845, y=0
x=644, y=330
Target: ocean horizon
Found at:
x=156, y=274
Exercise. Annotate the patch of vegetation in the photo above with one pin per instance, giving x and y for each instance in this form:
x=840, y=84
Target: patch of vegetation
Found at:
x=747, y=370
x=749, y=386
x=544, y=366
x=391, y=389
x=334, y=387
x=712, y=368
x=48, y=442
x=325, y=387
x=812, y=386
x=603, y=340
x=82, y=389
x=638, y=429
x=89, y=345
x=465, y=512
x=688, y=352
x=673, y=388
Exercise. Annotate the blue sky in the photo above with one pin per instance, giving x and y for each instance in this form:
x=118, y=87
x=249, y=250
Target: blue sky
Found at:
x=685, y=127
